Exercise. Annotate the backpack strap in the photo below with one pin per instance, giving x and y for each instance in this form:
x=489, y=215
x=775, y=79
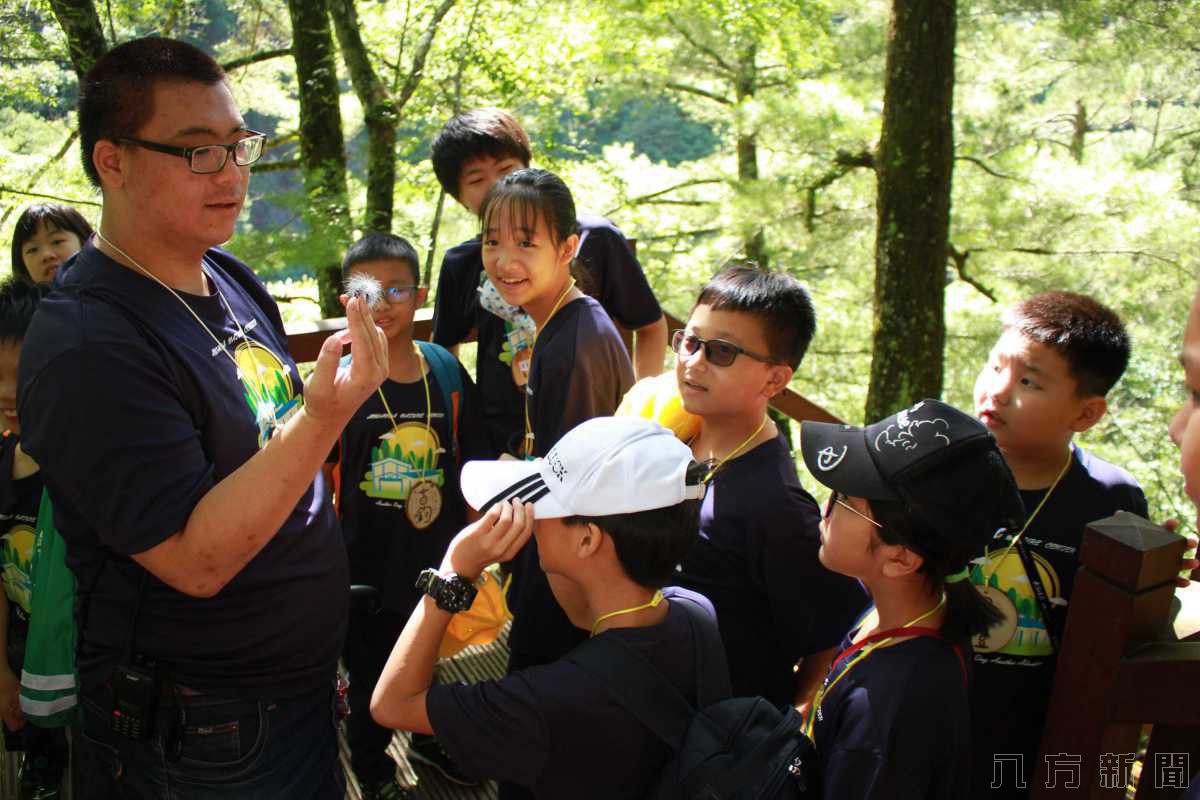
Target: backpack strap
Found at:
x=445, y=369
x=635, y=683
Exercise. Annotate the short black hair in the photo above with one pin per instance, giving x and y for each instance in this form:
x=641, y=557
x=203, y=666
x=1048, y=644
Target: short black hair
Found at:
x=382, y=247
x=530, y=195
x=779, y=301
x=65, y=218
x=651, y=544
x=18, y=300
x=1089, y=336
x=116, y=95
x=471, y=134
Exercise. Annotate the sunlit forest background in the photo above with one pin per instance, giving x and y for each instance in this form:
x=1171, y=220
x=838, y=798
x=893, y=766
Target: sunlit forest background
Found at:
x=709, y=130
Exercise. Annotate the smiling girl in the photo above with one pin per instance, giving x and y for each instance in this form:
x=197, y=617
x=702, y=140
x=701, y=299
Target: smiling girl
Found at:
x=45, y=237
x=577, y=368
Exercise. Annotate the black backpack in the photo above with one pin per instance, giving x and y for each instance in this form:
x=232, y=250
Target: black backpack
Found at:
x=742, y=747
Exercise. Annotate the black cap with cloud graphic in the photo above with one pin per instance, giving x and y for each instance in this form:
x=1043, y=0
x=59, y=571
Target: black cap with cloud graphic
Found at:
x=942, y=464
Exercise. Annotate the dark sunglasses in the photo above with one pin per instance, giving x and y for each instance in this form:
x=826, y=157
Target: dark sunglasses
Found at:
x=717, y=352
x=840, y=499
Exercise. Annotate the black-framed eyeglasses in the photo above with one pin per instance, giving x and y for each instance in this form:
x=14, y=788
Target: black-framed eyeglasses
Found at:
x=399, y=294
x=718, y=352
x=208, y=158
x=836, y=498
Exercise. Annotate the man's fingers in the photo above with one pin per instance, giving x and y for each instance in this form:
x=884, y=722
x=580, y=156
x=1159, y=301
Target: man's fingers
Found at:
x=327, y=360
x=1171, y=524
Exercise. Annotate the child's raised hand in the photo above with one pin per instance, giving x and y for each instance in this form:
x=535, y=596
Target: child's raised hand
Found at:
x=334, y=394
x=497, y=536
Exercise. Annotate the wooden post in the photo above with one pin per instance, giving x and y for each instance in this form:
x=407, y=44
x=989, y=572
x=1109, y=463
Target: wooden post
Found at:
x=1122, y=597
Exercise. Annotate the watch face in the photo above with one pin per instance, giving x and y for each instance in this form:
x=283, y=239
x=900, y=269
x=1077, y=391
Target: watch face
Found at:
x=458, y=594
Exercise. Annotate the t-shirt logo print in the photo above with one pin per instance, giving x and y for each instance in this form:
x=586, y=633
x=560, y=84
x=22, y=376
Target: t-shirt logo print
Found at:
x=828, y=459
x=405, y=456
x=267, y=387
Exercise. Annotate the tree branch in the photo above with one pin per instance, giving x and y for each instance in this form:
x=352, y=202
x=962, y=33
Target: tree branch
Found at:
x=1043, y=251
x=37, y=175
x=72, y=200
x=682, y=87
x=843, y=161
x=254, y=58
x=423, y=45
x=708, y=51
x=633, y=201
x=959, y=259
x=977, y=162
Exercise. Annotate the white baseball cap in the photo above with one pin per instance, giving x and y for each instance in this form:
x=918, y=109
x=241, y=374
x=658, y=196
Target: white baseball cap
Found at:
x=604, y=466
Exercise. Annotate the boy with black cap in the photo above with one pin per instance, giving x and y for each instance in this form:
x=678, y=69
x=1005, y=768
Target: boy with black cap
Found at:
x=615, y=503
x=914, y=497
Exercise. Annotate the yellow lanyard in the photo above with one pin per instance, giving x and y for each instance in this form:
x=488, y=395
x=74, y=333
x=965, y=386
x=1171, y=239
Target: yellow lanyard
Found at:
x=866, y=651
x=428, y=405
x=1029, y=520
x=735, y=450
x=654, y=601
x=529, y=426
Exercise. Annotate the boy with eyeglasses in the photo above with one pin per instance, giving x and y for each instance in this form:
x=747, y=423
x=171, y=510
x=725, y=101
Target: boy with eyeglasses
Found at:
x=397, y=488
x=756, y=559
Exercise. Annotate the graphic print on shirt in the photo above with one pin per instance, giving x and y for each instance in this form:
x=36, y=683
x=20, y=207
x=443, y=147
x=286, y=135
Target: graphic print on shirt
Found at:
x=406, y=456
x=267, y=387
x=18, y=560
x=519, y=329
x=1023, y=631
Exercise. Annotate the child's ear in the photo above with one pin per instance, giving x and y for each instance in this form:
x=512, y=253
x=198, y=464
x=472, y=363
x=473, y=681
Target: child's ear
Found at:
x=422, y=293
x=778, y=377
x=590, y=540
x=901, y=562
x=1090, y=412
x=567, y=248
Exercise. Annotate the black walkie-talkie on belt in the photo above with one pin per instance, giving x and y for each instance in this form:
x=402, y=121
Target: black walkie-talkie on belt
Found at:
x=136, y=684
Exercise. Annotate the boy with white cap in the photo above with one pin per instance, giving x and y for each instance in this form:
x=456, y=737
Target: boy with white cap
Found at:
x=614, y=508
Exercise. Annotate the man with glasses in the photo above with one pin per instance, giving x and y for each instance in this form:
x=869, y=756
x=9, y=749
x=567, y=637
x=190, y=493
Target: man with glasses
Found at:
x=756, y=558
x=181, y=453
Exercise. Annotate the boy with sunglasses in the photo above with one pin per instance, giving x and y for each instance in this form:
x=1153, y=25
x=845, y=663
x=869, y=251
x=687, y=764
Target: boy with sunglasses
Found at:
x=756, y=559
x=398, y=494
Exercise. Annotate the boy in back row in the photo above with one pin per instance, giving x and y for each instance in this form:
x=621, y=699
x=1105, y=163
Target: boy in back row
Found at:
x=472, y=152
x=1046, y=379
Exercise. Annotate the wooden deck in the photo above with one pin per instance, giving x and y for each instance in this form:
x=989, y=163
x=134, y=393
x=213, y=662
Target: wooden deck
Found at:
x=472, y=665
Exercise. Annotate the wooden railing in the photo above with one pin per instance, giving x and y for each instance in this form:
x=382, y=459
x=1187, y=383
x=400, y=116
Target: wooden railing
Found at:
x=1121, y=668
x=305, y=339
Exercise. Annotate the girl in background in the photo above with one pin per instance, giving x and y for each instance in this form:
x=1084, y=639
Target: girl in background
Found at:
x=46, y=236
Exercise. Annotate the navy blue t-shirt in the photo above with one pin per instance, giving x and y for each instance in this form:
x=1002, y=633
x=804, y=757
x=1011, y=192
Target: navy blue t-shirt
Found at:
x=756, y=560
x=380, y=466
x=557, y=730
x=580, y=370
x=1014, y=671
x=134, y=414
x=612, y=276
x=897, y=725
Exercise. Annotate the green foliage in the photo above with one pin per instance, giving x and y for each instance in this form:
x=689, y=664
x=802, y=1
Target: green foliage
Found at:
x=598, y=87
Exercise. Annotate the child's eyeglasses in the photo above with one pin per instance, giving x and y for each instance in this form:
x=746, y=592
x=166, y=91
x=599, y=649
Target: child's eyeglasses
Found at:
x=836, y=497
x=399, y=294
x=717, y=352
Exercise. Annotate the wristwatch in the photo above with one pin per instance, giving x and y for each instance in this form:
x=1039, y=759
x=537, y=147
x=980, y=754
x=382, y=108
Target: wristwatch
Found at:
x=452, y=592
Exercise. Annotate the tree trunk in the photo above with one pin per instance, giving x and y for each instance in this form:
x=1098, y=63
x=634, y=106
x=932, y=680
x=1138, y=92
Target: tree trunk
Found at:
x=914, y=162
x=379, y=117
x=85, y=35
x=753, y=240
x=1079, y=129
x=322, y=148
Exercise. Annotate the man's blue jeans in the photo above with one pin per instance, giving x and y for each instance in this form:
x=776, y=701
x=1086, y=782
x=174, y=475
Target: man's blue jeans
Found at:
x=214, y=748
